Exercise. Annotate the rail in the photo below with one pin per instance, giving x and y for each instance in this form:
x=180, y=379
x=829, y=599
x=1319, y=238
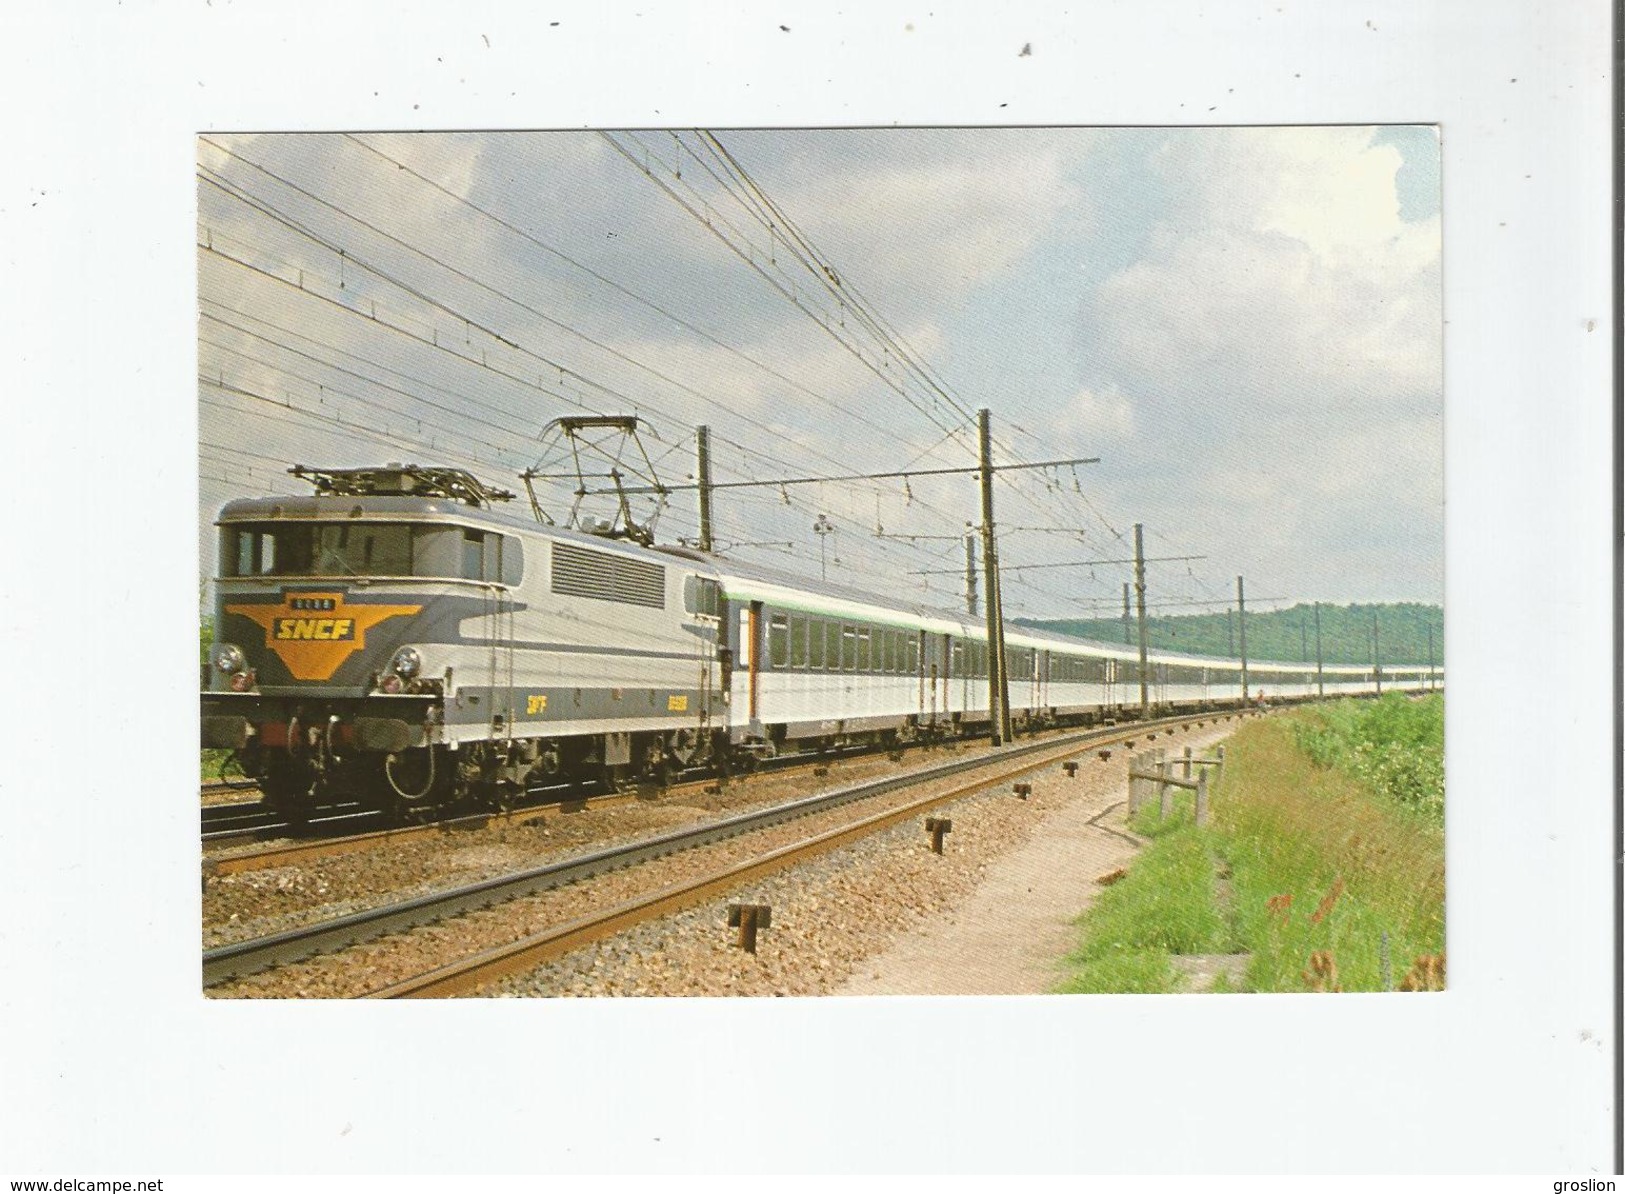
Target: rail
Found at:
x=249, y=957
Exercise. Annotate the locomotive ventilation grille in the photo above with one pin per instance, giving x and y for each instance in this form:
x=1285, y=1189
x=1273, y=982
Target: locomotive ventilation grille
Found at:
x=605, y=576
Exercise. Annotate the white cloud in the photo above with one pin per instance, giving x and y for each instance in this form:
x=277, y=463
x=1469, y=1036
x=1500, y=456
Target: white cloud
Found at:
x=1095, y=414
x=1282, y=334
x=1283, y=273
x=928, y=217
x=1332, y=190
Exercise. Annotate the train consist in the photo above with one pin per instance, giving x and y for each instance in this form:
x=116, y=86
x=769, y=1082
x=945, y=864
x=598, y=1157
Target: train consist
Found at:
x=396, y=640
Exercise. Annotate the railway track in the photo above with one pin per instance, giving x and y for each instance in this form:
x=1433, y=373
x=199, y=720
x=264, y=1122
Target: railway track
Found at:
x=332, y=832
x=248, y=957
x=248, y=820
x=305, y=851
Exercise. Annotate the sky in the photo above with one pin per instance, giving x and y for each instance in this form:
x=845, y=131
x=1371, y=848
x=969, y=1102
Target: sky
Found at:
x=1243, y=325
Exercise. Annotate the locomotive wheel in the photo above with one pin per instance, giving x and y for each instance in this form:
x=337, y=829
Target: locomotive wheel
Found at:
x=613, y=777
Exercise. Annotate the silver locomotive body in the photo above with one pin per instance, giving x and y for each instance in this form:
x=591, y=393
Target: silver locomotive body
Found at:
x=417, y=651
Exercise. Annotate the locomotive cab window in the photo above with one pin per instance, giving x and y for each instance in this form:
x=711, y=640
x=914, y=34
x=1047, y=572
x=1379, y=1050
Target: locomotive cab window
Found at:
x=482, y=555
x=317, y=549
x=353, y=548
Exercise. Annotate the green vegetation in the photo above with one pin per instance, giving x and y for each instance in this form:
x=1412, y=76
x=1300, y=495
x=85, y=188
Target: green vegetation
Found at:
x=1283, y=635
x=1396, y=746
x=1323, y=863
x=1164, y=905
x=212, y=764
x=219, y=764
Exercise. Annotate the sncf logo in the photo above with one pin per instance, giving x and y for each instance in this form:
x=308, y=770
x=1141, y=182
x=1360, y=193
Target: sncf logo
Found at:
x=313, y=633
x=326, y=630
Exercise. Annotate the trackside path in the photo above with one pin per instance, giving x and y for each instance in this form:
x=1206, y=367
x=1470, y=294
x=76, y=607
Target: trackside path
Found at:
x=1010, y=934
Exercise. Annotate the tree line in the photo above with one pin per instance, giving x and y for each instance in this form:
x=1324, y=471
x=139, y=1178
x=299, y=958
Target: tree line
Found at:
x=1287, y=635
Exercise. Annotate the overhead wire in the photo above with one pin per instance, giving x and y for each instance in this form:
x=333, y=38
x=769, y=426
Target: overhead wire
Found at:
x=416, y=293
x=461, y=316
x=900, y=352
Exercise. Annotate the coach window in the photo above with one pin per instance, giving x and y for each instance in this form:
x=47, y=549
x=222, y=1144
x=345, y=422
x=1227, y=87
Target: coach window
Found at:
x=815, y=644
x=849, y=648
x=863, y=649
x=778, y=640
x=798, y=640
x=832, y=646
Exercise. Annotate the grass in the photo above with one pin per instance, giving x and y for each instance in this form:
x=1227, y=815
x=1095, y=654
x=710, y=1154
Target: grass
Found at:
x=1395, y=745
x=1165, y=905
x=1323, y=863
x=219, y=764
x=1314, y=858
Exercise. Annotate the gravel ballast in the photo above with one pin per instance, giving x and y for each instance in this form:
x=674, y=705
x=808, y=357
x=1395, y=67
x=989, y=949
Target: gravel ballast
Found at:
x=245, y=905
x=829, y=915
x=886, y=915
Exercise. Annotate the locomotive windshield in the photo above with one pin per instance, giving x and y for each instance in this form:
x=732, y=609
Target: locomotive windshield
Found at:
x=338, y=549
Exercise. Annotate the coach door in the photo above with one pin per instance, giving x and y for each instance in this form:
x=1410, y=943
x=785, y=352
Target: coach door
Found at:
x=752, y=628
x=921, y=710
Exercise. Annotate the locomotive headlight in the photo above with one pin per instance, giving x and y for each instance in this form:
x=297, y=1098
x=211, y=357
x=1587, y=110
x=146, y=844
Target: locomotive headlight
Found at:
x=407, y=663
x=228, y=658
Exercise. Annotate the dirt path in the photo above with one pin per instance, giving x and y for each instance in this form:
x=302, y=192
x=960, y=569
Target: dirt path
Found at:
x=1009, y=937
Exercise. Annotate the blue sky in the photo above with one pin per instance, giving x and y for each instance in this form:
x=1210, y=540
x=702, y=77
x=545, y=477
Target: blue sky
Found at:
x=1244, y=324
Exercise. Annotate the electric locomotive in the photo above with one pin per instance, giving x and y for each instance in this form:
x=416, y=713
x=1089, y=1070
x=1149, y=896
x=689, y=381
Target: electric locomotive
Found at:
x=397, y=641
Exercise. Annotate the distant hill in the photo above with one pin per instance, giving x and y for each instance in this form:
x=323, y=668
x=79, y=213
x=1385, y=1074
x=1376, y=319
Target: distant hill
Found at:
x=1285, y=634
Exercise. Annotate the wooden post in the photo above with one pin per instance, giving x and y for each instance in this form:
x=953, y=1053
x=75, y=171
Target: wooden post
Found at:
x=1164, y=792
x=1241, y=620
x=703, y=438
x=1187, y=762
x=1320, y=663
x=1201, y=799
x=1139, y=589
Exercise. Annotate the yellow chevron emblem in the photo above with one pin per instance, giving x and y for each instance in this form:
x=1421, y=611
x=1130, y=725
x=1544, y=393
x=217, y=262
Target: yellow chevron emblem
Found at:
x=313, y=633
